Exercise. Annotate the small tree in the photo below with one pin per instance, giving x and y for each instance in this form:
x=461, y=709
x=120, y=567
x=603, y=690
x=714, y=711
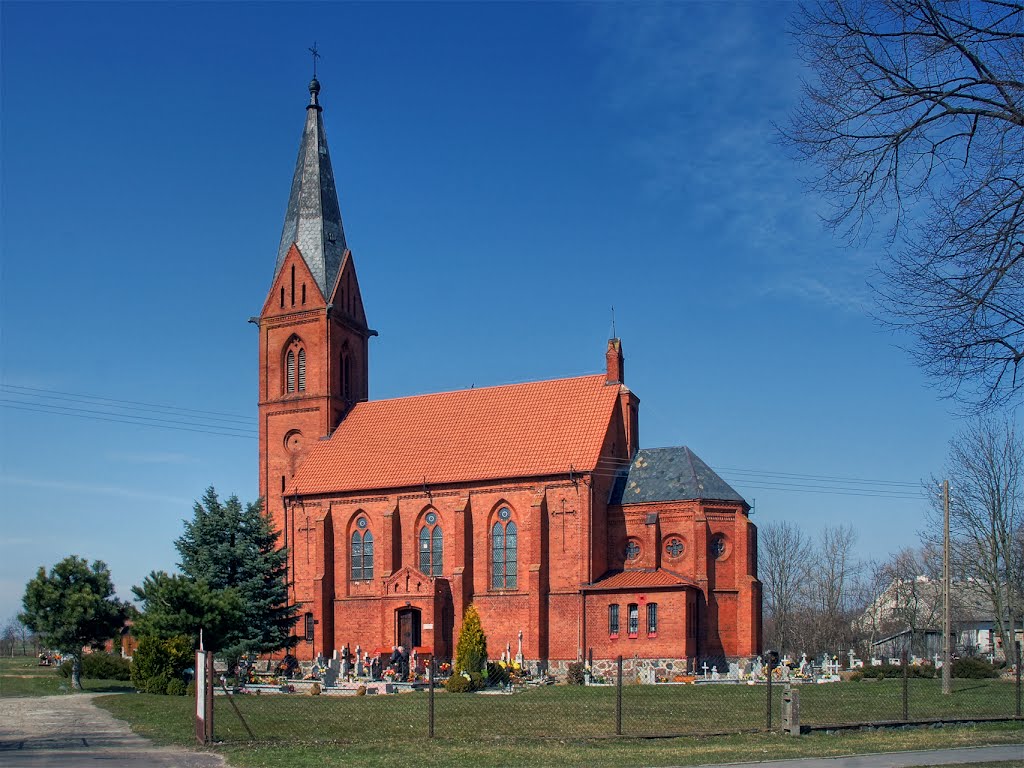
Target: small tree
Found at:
x=471, y=650
x=174, y=605
x=73, y=606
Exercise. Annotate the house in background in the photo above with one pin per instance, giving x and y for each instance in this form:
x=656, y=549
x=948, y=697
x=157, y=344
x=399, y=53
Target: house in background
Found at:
x=907, y=616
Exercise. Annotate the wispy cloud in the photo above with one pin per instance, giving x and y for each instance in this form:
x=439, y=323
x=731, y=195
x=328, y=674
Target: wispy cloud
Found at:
x=698, y=88
x=100, y=490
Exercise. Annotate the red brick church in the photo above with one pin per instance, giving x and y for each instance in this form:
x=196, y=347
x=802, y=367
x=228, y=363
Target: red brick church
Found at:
x=533, y=501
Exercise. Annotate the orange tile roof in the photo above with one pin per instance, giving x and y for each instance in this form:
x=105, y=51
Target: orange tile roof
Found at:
x=518, y=430
x=643, y=578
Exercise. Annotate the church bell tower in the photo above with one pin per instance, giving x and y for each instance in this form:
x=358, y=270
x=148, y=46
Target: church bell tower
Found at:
x=313, y=345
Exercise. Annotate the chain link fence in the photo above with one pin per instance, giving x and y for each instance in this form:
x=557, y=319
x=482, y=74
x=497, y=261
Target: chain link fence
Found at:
x=362, y=710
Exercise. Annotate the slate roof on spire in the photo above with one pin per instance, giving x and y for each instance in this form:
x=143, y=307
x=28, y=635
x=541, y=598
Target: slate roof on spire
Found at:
x=313, y=218
x=670, y=474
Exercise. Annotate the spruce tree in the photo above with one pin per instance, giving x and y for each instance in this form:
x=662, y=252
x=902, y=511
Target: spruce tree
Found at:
x=471, y=649
x=228, y=546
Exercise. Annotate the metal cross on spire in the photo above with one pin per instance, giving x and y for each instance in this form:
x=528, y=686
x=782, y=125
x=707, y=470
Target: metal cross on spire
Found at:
x=316, y=55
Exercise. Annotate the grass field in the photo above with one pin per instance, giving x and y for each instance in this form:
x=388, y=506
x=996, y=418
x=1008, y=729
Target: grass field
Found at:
x=22, y=676
x=577, y=712
x=391, y=731
x=558, y=726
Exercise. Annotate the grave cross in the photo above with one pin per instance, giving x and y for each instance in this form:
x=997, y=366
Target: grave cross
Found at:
x=705, y=668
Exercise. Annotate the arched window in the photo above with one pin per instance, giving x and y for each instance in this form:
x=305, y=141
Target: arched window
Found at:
x=346, y=373
x=431, y=547
x=362, y=554
x=504, y=551
x=294, y=366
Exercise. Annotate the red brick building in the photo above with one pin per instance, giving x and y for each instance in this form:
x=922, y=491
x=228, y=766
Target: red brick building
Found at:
x=533, y=501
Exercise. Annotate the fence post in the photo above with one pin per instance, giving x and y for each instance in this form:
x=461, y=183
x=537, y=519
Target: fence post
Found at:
x=791, y=710
x=768, y=709
x=618, y=696
x=204, y=697
x=430, y=698
x=1018, y=680
x=906, y=686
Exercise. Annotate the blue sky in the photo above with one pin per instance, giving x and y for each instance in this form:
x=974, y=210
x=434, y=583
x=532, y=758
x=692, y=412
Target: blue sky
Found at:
x=507, y=173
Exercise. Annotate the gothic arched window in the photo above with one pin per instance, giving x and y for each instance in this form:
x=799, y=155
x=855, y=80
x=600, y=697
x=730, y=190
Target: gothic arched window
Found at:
x=504, y=551
x=295, y=366
x=431, y=546
x=362, y=554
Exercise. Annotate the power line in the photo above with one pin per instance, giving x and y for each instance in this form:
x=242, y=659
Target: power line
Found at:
x=94, y=415
x=119, y=402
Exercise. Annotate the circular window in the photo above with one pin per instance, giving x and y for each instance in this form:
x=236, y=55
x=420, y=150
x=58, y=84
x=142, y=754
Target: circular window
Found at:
x=431, y=518
x=718, y=546
x=504, y=513
x=293, y=441
x=632, y=550
x=674, y=547
x=361, y=522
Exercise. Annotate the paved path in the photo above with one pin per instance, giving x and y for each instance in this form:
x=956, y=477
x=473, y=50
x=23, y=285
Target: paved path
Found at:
x=956, y=756
x=70, y=731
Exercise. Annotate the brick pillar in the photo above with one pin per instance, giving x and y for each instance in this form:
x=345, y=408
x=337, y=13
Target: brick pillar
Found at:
x=323, y=584
x=535, y=643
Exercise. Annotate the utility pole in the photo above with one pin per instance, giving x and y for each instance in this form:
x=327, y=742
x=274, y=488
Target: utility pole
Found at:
x=947, y=663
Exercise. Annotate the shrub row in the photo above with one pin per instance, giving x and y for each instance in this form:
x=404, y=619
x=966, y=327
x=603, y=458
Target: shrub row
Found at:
x=100, y=666
x=159, y=666
x=962, y=668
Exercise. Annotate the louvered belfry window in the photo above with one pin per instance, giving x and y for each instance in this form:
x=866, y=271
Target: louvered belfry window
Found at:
x=290, y=371
x=302, y=370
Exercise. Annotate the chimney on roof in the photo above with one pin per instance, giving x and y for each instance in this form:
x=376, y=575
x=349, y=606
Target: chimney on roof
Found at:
x=616, y=363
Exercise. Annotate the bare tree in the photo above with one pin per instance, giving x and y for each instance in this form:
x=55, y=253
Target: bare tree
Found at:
x=986, y=474
x=832, y=587
x=784, y=552
x=914, y=118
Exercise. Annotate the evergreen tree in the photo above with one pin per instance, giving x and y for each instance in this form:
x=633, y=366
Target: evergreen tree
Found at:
x=471, y=649
x=73, y=606
x=228, y=546
x=174, y=605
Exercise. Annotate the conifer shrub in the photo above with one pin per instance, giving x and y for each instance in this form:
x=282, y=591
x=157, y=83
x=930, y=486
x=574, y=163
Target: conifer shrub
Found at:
x=973, y=669
x=157, y=664
x=458, y=684
x=576, y=674
x=100, y=666
x=471, y=649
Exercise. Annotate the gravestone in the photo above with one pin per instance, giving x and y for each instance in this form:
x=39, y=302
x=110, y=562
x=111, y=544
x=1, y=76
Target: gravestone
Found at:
x=360, y=671
x=714, y=674
x=734, y=670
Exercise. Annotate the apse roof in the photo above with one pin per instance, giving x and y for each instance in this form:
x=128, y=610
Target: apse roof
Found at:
x=313, y=218
x=669, y=474
x=639, y=578
x=517, y=430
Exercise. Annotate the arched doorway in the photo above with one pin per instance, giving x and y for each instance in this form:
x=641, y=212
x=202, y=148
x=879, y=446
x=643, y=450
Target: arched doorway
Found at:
x=407, y=628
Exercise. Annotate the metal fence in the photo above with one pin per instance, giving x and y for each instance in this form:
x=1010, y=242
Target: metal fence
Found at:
x=299, y=711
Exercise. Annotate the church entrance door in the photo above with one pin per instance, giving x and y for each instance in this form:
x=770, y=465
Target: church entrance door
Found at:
x=409, y=628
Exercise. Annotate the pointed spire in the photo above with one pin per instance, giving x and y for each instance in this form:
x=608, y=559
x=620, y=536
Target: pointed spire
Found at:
x=313, y=218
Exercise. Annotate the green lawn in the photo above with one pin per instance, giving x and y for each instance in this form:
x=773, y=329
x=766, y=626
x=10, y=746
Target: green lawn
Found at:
x=22, y=676
x=556, y=726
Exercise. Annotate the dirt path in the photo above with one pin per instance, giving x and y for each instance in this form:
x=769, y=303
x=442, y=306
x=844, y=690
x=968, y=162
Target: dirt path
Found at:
x=70, y=731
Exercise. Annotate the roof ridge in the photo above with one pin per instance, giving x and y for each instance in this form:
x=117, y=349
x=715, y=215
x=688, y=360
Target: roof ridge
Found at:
x=481, y=389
